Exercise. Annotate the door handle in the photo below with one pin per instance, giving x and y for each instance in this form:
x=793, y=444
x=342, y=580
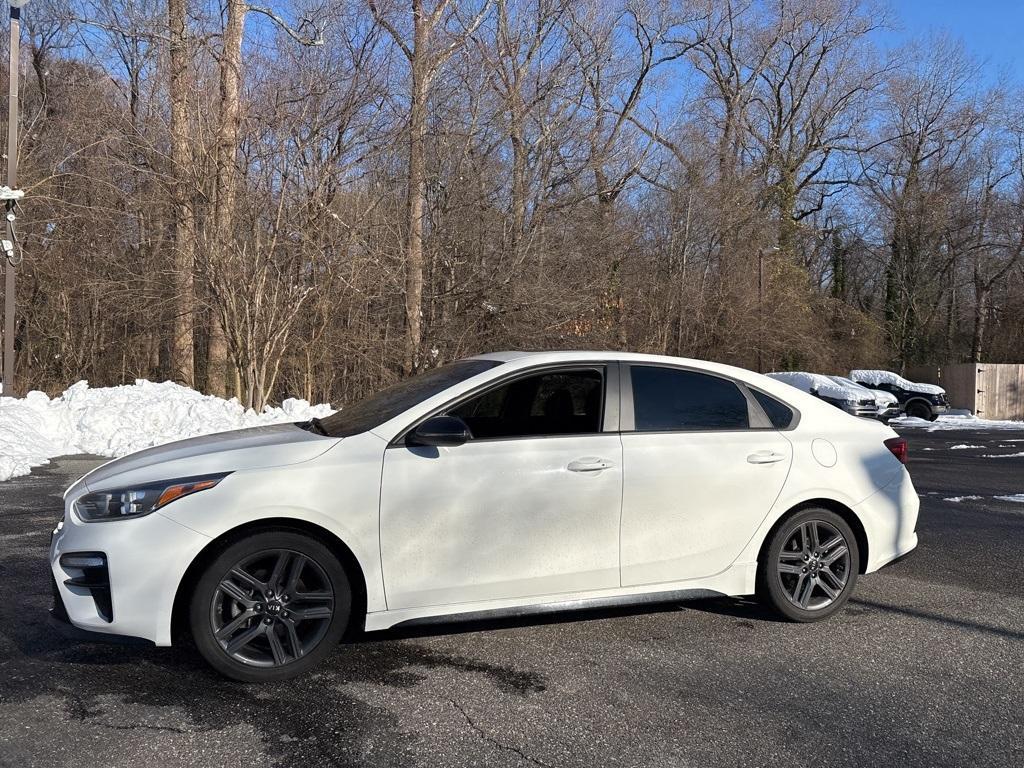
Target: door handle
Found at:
x=589, y=464
x=765, y=457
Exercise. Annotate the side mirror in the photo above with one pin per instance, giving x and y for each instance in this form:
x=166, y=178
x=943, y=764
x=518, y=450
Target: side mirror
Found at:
x=440, y=430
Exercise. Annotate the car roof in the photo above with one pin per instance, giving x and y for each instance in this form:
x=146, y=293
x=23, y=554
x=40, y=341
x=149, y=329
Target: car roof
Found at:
x=541, y=357
x=522, y=359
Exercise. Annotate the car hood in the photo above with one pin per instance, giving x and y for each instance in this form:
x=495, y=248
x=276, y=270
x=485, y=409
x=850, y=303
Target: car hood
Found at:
x=255, y=448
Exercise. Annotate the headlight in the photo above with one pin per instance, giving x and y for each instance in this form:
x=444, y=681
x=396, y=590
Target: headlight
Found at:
x=123, y=503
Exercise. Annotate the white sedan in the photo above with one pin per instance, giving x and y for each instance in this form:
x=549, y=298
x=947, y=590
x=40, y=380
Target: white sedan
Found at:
x=507, y=482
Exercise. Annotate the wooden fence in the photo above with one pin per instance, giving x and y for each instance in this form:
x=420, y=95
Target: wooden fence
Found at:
x=988, y=390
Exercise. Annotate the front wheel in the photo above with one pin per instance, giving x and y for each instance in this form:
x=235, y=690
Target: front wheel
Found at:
x=810, y=567
x=920, y=411
x=270, y=606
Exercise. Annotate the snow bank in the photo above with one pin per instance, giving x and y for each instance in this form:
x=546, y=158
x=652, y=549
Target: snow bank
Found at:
x=874, y=378
x=1017, y=497
x=115, y=421
x=953, y=421
x=815, y=383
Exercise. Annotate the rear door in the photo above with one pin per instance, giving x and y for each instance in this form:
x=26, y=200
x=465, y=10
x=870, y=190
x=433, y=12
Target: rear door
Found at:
x=702, y=467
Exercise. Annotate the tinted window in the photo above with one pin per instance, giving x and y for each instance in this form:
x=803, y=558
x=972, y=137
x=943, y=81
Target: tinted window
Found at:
x=553, y=403
x=779, y=414
x=388, y=403
x=669, y=399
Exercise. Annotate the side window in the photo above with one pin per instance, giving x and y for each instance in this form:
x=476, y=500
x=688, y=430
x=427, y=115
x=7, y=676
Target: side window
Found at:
x=552, y=403
x=779, y=414
x=666, y=399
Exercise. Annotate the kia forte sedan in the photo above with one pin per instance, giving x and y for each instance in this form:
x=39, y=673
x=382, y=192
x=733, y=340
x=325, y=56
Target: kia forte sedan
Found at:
x=509, y=482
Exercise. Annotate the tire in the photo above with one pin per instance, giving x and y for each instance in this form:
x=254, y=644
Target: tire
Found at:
x=789, y=561
x=920, y=410
x=245, y=608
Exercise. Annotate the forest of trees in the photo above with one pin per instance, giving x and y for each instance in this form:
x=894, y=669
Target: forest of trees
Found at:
x=316, y=198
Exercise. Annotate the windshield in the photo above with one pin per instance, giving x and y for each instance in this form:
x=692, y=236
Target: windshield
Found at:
x=388, y=403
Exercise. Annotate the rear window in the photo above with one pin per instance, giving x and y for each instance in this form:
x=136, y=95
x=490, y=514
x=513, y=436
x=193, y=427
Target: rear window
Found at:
x=779, y=414
x=669, y=399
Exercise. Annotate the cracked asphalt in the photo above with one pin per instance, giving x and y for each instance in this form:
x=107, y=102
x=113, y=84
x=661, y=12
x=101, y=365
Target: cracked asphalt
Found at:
x=923, y=668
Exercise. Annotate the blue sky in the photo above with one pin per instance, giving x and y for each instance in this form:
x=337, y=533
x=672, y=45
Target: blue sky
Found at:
x=992, y=30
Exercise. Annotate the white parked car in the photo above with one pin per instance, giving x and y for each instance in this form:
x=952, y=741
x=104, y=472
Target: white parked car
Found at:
x=887, y=405
x=507, y=482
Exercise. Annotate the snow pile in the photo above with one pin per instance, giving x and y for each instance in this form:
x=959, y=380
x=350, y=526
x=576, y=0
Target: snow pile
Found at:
x=115, y=421
x=817, y=384
x=874, y=378
x=953, y=421
x=963, y=447
x=962, y=498
x=1017, y=497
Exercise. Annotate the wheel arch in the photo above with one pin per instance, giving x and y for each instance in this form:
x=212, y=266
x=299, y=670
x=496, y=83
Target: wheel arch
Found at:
x=848, y=515
x=354, y=571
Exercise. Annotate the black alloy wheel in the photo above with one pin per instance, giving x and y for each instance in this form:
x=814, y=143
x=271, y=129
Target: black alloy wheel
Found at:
x=270, y=606
x=810, y=566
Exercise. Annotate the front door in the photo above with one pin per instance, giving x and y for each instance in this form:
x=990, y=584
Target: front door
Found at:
x=529, y=507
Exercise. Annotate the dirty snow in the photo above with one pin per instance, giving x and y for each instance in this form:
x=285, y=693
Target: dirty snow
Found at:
x=874, y=378
x=815, y=383
x=115, y=421
x=962, y=498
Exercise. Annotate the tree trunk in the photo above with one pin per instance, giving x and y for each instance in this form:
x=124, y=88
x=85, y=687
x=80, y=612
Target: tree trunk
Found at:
x=416, y=193
x=980, y=312
x=225, y=183
x=183, y=215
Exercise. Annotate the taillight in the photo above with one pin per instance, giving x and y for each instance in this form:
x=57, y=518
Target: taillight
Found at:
x=898, y=446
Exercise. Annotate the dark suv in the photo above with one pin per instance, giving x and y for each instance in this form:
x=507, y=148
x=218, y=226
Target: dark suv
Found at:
x=922, y=401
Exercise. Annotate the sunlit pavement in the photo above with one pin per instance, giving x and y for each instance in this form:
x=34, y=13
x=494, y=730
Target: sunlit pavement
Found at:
x=924, y=667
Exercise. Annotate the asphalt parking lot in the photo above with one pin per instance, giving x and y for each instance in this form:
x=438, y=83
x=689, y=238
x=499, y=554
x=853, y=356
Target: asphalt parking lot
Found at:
x=925, y=667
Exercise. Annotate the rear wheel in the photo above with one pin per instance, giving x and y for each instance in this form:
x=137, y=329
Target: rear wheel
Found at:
x=270, y=606
x=810, y=567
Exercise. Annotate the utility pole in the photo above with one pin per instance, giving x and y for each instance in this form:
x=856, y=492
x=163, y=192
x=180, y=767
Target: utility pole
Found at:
x=9, y=246
x=760, y=309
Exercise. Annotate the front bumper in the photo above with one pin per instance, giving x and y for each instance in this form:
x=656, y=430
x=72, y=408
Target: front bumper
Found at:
x=146, y=559
x=890, y=412
x=863, y=411
x=62, y=624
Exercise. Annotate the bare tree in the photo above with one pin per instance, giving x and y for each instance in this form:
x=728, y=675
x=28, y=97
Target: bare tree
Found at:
x=426, y=51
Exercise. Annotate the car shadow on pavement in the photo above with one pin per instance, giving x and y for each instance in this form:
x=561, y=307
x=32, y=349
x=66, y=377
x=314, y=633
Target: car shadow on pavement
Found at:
x=915, y=613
